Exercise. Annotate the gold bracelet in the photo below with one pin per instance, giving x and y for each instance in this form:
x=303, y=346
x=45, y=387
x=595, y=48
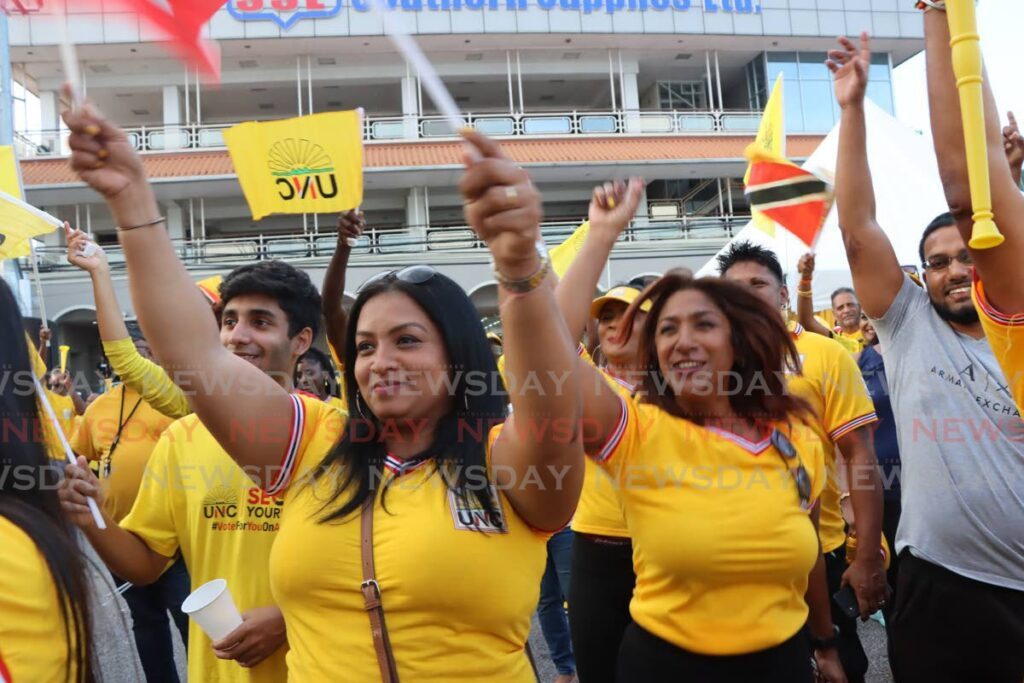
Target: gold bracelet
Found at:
x=805, y=294
x=156, y=221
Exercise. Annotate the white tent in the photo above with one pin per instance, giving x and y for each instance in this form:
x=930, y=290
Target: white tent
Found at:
x=908, y=195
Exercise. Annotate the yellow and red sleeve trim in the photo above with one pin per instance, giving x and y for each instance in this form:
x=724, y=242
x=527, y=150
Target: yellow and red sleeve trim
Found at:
x=287, y=466
x=990, y=311
x=616, y=436
x=843, y=430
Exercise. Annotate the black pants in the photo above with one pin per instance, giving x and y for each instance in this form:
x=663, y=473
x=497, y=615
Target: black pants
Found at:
x=599, y=594
x=851, y=652
x=891, y=511
x=645, y=657
x=946, y=628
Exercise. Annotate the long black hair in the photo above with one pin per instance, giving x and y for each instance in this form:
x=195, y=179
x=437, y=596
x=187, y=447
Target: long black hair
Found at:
x=324, y=361
x=35, y=509
x=459, y=450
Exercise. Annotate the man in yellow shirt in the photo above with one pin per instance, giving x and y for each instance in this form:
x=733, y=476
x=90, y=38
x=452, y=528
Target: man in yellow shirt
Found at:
x=832, y=383
x=197, y=501
x=846, y=310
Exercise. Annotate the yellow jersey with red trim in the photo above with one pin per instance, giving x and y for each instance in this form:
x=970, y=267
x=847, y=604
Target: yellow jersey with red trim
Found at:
x=33, y=645
x=196, y=500
x=832, y=383
x=1005, y=335
x=458, y=585
x=722, y=545
x=852, y=343
x=140, y=425
x=599, y=511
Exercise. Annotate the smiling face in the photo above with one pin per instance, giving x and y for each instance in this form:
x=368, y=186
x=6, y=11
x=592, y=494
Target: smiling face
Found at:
x=846, y=311
x=401, y=365
x=312, y=377
x=693, y=341
x=950, y=287
x=255, y=328
x=867, y=330
x=609, y=328
x=761, y=282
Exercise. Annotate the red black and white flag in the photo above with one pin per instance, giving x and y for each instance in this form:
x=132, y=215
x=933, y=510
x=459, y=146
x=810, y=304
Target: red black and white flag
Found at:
x=794, y=198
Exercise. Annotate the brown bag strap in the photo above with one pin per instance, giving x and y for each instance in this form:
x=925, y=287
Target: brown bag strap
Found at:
x=371, y=596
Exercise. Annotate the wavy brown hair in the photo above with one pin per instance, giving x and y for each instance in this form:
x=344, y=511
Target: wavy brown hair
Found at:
x=763, y=350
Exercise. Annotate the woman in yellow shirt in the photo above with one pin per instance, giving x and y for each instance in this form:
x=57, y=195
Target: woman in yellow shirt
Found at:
x=413, y=506
x=719, y=476
x=315, y=375
x=44, y=598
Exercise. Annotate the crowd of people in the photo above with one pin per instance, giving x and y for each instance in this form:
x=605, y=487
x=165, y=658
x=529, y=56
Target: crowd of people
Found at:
x=684, y=478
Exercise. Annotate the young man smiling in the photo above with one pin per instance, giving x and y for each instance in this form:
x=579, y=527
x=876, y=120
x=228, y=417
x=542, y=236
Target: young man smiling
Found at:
x=197, y=501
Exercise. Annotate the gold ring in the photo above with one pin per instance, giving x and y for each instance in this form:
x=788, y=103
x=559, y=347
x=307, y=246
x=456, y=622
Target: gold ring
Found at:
x=511, y=194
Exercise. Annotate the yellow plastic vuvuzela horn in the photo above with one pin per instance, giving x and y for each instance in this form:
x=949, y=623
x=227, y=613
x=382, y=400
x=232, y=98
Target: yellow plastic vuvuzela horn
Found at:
x=64, y=357
x=966, y=47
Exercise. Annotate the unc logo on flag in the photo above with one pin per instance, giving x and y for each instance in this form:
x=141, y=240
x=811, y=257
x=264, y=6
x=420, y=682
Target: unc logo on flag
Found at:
x=302, y=169
x=284, y=13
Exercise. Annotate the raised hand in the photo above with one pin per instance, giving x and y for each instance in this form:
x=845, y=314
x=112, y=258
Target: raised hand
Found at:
x=82, y=251
x=613, y=205
x=805, y=266
x=849, y=67
x=502, y=206
x=101, y=153
x=351, y=226
x=78, y=485
x=1013, y=143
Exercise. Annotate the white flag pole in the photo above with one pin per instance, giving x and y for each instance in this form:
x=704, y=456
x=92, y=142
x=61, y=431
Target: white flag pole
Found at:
x=93, y=508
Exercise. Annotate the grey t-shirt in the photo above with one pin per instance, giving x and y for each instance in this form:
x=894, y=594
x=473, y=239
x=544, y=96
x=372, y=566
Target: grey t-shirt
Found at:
x=961, y=445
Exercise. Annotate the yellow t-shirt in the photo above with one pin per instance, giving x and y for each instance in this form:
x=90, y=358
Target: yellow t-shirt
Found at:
x=832, y=383
x=1005, y=335
x=147, y=378
x=457, y=601
x=599, y=511
x=853, y=344
x=195, y=499
x=33, y=646
x=64, y=409
x=121, y=473
x=721, y=544
x=343, y=399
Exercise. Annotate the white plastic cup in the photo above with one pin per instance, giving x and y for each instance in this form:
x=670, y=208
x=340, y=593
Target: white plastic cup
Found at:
x=213, y=608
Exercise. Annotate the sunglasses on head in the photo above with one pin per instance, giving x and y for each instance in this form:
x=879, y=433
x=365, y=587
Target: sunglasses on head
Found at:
x=803, y=480
x=414, y=275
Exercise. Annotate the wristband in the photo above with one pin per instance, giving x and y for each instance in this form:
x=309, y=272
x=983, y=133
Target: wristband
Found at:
x=155, y=221
x=530, y=283
x=805, y=294
x=933, y=4
x=830, y=643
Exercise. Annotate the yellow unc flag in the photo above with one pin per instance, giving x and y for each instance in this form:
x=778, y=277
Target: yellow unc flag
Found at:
x=19, y=223
x=565, y=253
x=771, y=137
x=309, y=164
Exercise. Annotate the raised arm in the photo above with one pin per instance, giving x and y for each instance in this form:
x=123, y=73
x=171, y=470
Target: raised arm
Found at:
x=805, y=297
x=350, y=226
x=611, y=208
x=141, y=374
x=999, y=268
x=542, y=440
x=173, y=313
x=877, y=275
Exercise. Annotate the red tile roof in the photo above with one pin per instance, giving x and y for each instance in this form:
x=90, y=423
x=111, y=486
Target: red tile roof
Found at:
x=448, y=153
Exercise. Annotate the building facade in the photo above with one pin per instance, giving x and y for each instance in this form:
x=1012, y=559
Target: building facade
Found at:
x=579, y=91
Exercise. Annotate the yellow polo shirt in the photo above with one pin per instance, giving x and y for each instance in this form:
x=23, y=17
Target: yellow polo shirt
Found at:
x=33, y=646
x=721, y=544
x=195, y=499
x=457, y=601
x=121, y=473
x=599, y=511
x=832, y=383
x=1005, y=335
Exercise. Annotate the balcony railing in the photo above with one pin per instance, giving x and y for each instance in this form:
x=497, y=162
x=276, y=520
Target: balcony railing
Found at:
x=428, y=241
x=53, y=143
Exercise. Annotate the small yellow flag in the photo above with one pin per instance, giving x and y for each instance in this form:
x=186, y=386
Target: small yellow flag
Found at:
x=309, y=164
x=564, y=254
x=771, y=137
x=19, y=223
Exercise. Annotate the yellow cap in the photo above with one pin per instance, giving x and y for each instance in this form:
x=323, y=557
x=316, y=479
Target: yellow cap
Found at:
x=624, y=293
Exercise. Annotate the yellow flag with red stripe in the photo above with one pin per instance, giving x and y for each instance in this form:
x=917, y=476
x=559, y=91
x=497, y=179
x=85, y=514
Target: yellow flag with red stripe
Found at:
x=771, y=138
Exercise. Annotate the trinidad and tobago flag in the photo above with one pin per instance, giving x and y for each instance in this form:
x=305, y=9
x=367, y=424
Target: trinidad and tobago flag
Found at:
x=794, y=198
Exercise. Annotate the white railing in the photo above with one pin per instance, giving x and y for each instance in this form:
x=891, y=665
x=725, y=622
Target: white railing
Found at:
x=53, y=143
x=229, y=251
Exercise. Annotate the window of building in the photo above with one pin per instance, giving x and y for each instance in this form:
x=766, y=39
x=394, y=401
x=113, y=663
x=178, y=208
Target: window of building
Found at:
x=684, y=95
x=809, y=100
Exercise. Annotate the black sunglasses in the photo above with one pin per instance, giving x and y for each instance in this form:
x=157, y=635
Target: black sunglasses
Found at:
x=803, y=480
x=414, y=275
